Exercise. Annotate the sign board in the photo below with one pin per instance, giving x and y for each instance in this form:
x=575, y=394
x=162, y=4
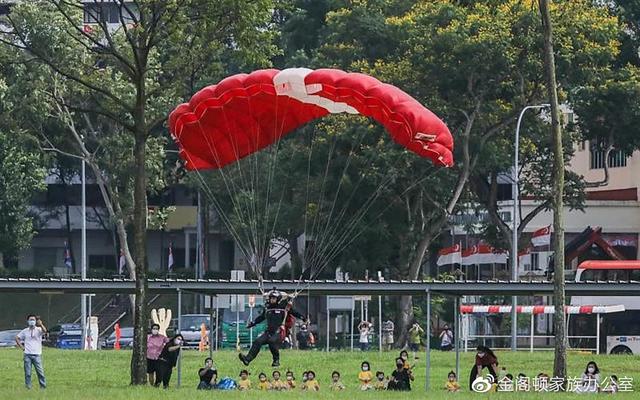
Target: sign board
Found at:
x=222, y=301
x=237, y=275
x=340, y=303
x=362, y=298
x=237, y=303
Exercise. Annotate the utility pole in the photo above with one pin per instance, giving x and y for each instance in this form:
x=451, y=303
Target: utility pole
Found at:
x=559, y=321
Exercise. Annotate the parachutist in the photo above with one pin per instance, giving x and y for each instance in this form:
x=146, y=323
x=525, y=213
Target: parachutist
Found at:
x=280, y=317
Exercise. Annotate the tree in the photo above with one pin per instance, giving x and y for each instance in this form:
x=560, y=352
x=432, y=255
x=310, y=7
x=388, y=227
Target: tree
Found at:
x=476, y=64
x=118, y=81
x=21, y=176
x=559, y=321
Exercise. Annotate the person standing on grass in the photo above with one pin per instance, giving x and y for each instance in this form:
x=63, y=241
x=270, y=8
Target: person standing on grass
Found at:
x=387, y=334
x=446, y=338
x=415, y=338
x=155, y=344
x=30, y=341
x=167, y=360
x=364, y=328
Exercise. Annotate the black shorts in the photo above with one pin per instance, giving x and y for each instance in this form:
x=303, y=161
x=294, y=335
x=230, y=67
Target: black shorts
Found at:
x=152, y=366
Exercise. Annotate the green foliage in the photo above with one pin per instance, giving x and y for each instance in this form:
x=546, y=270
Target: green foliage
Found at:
x=21, y=176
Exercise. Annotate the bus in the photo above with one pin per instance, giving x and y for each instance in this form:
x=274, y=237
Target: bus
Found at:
x=620, y=332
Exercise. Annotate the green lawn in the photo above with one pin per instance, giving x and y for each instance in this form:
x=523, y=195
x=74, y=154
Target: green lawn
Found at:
x=105, y=374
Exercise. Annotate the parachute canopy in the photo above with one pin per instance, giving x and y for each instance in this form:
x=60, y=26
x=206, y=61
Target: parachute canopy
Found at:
x=245, y=113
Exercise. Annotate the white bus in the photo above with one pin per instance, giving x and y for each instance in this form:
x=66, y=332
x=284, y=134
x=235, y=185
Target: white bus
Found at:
x=620, y=332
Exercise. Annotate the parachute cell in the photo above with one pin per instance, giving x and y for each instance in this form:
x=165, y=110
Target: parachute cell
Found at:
x=245, y=113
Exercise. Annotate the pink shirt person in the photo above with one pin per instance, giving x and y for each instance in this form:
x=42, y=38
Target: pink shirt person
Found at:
x=155, y=344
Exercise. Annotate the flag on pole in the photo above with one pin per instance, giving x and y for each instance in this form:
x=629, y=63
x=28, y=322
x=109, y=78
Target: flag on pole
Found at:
x=122, y=263
x=524, y=258
x=541, y=237
x=483, y=254
x=450, y=255
x=67, y=256
x=170, y=260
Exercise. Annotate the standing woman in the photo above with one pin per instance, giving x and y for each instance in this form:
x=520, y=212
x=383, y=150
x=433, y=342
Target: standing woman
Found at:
x=167, y=360
x=485, y=358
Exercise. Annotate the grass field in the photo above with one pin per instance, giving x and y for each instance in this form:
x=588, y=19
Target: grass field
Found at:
x=105, y=374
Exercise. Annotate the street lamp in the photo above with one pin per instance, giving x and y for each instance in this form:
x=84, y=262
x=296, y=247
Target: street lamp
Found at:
x=516, y=217
x=83, y=262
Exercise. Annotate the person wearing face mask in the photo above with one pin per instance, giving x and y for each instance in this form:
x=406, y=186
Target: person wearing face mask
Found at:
x=208, y=375
x=590, y=382
x=485, y=358
x=167, y=360
x=30, y=341
x=400, y=378
x=303, y=337
x=155, y=344
x=365, y=376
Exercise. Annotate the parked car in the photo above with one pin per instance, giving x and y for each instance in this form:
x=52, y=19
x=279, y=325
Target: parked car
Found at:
x=65, y=336
x=191, y=326
x=126, y=339
x=8, y=338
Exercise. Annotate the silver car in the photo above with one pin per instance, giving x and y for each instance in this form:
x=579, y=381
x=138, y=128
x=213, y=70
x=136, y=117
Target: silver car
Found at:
x=8, y=338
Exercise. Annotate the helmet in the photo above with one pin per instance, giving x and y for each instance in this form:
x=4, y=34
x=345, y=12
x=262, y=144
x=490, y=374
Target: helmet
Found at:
x=274, y=293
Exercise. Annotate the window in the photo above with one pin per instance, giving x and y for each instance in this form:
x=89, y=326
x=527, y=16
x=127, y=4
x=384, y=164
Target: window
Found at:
x=101, y=261
x=107, y=12
x=617, y=157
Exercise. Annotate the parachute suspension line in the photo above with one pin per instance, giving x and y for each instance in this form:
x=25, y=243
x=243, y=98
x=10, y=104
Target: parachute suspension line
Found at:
x=244, y=196
x=278, y=132
x=235, y=205
x=324, y=236
x=358, y=233
x=219, y=209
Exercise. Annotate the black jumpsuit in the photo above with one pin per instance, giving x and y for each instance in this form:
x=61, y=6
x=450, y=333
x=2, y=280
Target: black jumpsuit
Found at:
x=274, y=314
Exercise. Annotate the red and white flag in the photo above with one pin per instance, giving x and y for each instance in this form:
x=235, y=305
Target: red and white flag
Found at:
x=541, y=237
x=524, y=257
x=469, y=256
x=450, y=255
x=483, y=254
x=122, y=263
x=170, y=260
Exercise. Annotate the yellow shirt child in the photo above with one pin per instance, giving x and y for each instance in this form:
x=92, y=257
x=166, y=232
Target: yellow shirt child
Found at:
x=381, y=382
x=244, y=383
x=311, y=384
x=336, y=384
x=365, y=376
x=264, y=383
x=452, y=384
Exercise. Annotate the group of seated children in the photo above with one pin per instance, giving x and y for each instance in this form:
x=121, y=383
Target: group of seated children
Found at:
x=400, y=378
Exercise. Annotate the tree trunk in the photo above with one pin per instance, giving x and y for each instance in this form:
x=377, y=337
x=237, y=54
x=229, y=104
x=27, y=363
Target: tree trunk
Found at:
x=405, y=319
x=559, y=322
x=138, y=358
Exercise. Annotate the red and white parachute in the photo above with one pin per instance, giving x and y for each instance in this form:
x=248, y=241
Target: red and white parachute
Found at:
x=245, y=113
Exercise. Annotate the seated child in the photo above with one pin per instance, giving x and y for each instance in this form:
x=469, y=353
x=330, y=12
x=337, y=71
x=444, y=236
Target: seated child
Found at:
x=277, y=383
x=291, y=381
x=381, y=381
x=452, y=384
x=405, y=357
x=522, y=383
x=612, y=387
x=365, y=376
x=336, y=384
x=264, y=383
x=305, y=377
x=244, y=383
x=311, y=384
